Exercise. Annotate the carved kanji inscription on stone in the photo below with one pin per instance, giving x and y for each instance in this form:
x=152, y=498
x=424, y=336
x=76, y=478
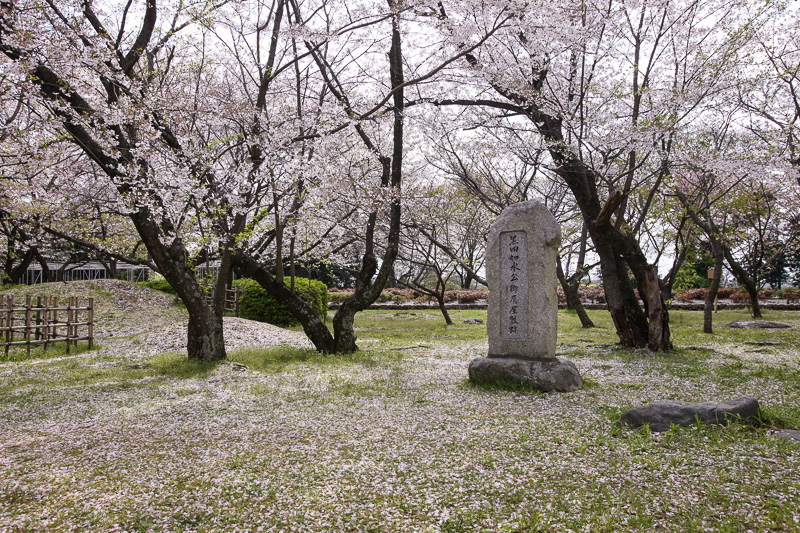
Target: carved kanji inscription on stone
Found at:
x=514, y=285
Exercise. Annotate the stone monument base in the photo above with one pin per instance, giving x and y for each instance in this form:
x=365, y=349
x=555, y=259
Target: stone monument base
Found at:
x=546, y=375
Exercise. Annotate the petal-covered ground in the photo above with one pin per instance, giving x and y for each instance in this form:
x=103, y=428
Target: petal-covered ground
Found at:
x=393, y=438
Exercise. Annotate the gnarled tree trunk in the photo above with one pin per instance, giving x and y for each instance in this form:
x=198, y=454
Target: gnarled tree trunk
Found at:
x=205, y=341
x=570, y=288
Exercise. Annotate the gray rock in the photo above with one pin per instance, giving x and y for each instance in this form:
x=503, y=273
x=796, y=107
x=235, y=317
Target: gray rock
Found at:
x=555, y=374
x=754, y=324
x=791, y=434
x=660, y=415
x=473, y=321
x=521, y=271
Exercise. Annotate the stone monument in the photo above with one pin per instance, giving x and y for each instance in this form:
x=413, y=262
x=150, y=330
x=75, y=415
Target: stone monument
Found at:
x=523, y=304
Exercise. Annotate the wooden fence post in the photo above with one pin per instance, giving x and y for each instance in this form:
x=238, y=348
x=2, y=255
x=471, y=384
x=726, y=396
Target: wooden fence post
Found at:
x=9, y=324
x=54, y=309
x=91, y=322
x=69, y=321
x=38, y=334
x=28, y=301
x=38, y=323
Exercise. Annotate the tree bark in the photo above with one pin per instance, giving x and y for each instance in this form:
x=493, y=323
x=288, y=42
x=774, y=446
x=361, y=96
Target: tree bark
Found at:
x=570, y=288
x=205, y=341
x=711, y=296
x=314, y=328
x=711, y=232
x=16, y=273
x=443, y=309
x=745, y=280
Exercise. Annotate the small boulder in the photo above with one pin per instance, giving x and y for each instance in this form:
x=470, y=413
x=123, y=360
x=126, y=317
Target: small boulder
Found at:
x=661, y=415
x=757, y=324
x=555, y=374
x=791, y=434
x=473, y=321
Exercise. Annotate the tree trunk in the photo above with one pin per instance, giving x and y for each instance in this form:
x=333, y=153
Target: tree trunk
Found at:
x=16, y=273
x=443, y=309
x=439, y=294
x=629, y=321
x=744, y=280
x=713, y=236
x=658, y=334
x=616, y=248
x=205, y=341
x=570, y=288
x=45, y=268
x=368, y=290
x=343, y=328
x=314, y=328
x=711, y=296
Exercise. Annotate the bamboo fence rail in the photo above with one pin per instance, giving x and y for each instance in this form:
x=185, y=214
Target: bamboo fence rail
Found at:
x=45, y=322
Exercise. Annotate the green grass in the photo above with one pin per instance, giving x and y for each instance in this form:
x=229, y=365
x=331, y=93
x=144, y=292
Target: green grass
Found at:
x=38, y=351
x=395, y=438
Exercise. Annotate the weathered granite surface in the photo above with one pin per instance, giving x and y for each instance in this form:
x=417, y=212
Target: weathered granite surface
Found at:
x=758, y=324
x=521, y=271
x=661, y=415
x=555, y=374
x=790, y=434
x=523, y=305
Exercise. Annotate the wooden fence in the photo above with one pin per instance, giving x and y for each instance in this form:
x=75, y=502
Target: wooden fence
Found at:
x=45, y=322
x=231, y=299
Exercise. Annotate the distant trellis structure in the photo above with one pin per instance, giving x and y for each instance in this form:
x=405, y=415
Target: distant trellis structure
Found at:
x=44, y=321
x=86, y=270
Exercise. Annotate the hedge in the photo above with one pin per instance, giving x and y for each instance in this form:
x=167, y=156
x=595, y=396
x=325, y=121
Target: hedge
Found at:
x=158, y=285
x=255, y=303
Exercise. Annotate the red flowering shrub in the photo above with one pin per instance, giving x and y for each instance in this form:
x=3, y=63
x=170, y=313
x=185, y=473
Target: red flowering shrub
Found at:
x=687, y=295
x=791, y=294
x=740, y=295
x=726, y=292
x=592, y=294
x=469, y=296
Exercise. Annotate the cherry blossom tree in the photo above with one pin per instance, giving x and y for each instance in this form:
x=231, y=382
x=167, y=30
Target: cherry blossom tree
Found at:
x=606, y=86
x=102, y=78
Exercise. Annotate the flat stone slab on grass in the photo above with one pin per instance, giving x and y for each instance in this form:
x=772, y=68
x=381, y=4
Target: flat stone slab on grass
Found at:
x=547, y=375
x=791, y=434
x=661, y=415
x=758, y=324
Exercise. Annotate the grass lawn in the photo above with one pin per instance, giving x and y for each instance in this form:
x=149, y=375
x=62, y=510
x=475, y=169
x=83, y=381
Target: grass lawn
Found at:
x=394, y=438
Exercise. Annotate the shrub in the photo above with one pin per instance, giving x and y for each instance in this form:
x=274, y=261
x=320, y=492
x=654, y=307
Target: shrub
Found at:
x=790, y=293
x=726, y=292
x=740, y=295
x=685, y=295
x=255, y=303
x=592, y=293
x=336, y=296
x=468, y=296
x=387, y=296
x=158, y=285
